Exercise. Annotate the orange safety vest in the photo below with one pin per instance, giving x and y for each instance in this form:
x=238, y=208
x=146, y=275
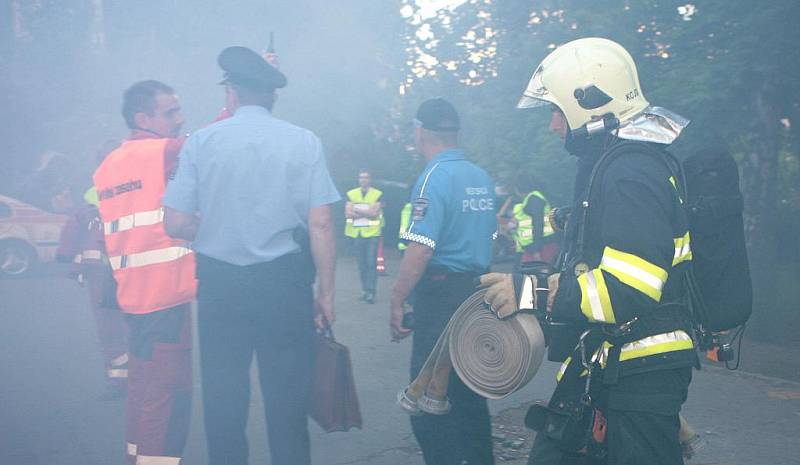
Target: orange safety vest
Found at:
x=153, y=271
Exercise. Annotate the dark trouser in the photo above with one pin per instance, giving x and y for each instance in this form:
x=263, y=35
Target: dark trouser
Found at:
x=367, y=256
x=266, y=309
x=643, y=423
x=111, y=330
x=159, y=385
x=463, y=436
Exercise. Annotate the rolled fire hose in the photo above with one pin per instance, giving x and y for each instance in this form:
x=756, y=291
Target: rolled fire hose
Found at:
x=493, y=357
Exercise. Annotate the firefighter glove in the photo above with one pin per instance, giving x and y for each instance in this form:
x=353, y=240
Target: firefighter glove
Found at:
x=506, y=293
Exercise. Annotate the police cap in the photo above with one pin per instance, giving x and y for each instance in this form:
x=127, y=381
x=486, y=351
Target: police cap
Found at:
x=439, y=115
x=247, y=68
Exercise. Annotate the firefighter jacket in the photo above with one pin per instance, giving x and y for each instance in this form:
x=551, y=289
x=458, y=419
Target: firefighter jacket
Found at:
x=527, y=227
x=625, y=265
x=364, y=227
x=153, y=271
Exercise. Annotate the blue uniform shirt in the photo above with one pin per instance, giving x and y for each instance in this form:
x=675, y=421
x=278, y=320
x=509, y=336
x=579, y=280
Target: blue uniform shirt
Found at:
x=453, y=213
x=252, y=178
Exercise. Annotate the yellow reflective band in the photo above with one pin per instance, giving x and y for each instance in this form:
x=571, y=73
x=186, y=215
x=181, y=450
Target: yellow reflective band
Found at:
x=683, y=249
x=595, y=301
x=675, y=185
x=131, y=449
x=635, y=272
x=562, y=369
x=118, y=373
x=150, y=257
x=119, y=361
x=658, y=344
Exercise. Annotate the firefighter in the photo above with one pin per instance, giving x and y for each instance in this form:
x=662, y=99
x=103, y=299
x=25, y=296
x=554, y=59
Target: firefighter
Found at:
x=364, y=223
x=154, y=273
x=534, y=237
x=627, y=349
x=263, y=193
x=449, y=246
x=82, y=244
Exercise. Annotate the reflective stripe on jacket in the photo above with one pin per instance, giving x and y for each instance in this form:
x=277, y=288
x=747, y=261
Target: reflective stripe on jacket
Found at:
x=364, y=227
x=153, y=271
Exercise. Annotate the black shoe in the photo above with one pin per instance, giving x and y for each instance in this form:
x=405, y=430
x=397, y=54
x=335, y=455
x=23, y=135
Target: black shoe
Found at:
x=370, y=298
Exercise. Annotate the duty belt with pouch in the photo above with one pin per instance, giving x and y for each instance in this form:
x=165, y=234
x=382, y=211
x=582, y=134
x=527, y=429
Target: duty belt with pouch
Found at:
x=573, y=421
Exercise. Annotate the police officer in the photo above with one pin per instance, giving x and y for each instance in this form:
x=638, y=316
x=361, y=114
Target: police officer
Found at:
x=262, y=190
x=449, y=245
x=627, y=251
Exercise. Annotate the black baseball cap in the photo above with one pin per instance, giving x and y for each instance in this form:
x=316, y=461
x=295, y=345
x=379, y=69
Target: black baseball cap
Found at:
x=247, y=68
x=438, y=115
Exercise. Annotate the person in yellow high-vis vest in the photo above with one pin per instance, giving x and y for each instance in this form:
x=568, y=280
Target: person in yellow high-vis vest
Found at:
x=534, y=237
x=364, y=224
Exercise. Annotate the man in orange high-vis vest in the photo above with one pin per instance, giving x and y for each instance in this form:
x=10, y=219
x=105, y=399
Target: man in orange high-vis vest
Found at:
x=154, y=274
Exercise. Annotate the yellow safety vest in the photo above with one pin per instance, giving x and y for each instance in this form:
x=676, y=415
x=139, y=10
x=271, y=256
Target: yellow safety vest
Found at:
x=364, y=227
x=405, y=219
x=524, y=234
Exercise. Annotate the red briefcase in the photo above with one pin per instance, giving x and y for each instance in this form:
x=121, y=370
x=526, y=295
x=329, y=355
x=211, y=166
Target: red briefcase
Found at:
x=334, y=405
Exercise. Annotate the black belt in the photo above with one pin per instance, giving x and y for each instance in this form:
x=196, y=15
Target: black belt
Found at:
x=441, y=273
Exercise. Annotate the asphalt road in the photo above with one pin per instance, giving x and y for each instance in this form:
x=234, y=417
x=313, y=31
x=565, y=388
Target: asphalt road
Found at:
x=51, y=373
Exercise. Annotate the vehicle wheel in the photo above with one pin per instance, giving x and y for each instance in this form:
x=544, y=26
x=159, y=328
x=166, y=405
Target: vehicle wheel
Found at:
x=16, y=259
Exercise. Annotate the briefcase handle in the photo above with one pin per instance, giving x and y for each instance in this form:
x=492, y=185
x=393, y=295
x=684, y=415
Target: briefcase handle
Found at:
x=327, y=332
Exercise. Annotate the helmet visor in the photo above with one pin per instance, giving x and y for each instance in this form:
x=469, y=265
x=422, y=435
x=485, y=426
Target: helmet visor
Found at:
x=531, y=102
x=535, y=95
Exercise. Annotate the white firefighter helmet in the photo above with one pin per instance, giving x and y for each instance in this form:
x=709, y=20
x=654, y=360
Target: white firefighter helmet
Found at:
x=587, y=79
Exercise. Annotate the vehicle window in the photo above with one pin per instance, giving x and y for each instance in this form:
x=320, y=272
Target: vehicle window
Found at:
x=5, y=210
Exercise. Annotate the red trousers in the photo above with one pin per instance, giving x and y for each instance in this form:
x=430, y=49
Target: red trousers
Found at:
x=159, y=386
x=111, y=330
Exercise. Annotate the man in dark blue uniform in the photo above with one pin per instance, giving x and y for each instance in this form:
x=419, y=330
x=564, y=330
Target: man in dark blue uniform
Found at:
x=449, y=244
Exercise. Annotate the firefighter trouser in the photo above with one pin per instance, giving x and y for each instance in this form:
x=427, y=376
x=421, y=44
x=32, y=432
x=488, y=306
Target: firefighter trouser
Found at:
x=463, y=436
x=643, y=423
x=159, y=386
x=367, y=255
x=111, y=330
x=267, y=310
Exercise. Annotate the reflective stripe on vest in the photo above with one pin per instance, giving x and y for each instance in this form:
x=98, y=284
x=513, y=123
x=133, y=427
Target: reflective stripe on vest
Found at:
x=150, y=257
x=373, y=226
x=131, y=221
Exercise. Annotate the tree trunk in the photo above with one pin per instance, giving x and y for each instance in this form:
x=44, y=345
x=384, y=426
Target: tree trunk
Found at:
x=760, y=181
